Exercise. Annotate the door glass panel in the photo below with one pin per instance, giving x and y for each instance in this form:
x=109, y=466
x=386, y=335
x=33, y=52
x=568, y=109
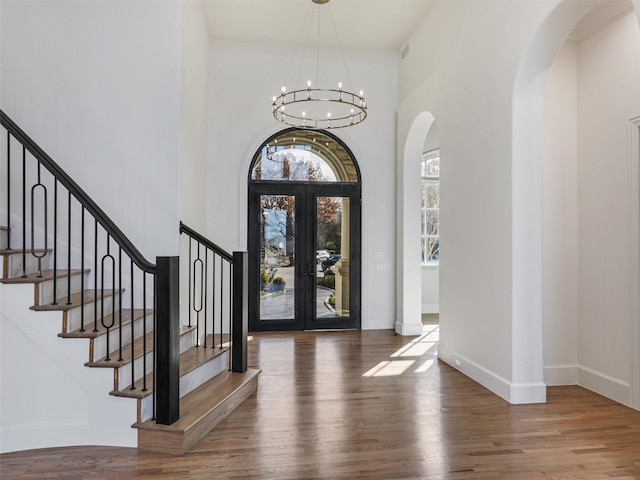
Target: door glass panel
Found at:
x=277, y=257
x=304, y=156
x=332, y=257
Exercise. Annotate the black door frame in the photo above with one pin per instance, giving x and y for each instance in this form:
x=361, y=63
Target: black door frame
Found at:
x=305, y=248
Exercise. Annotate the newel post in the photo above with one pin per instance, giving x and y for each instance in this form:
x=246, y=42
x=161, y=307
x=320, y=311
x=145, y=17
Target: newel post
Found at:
x=167, y=341
x=240, y=311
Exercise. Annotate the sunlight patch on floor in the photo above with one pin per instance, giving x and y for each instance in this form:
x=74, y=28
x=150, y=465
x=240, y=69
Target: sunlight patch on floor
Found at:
x=390, y=368
x=423, y=350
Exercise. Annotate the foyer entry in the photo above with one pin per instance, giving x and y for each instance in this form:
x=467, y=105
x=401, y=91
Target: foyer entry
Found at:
x=304, y=234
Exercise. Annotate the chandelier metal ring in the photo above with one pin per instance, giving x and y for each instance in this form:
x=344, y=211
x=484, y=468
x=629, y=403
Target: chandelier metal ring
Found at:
x=300, y=108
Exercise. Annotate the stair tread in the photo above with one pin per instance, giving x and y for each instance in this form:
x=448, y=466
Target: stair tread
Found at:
x=45, y=275
x=13, y=251
x=201, y=401
x=89, y=296
x=89, y=332
x=116, y=362
x=189, y=360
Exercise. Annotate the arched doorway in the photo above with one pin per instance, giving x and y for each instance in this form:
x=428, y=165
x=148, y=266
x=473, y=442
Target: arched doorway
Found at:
x=536, y=330
x=409, y=293
x=304, y=233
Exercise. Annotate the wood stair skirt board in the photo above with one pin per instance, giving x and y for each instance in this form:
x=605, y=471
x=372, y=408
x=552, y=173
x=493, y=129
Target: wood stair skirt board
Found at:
x=200, y=411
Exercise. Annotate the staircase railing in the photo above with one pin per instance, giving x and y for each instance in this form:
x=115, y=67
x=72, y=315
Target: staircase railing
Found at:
x=58, y=218
x=218, y=296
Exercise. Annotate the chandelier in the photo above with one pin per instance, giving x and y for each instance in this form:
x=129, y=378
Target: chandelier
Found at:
x=320, y=108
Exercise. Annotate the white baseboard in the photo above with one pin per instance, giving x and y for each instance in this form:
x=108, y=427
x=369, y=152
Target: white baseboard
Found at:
x=516, y=393
x=598, y=382
x=555, y=375
x=405, y=329
x=430, y=308
x=605, y=385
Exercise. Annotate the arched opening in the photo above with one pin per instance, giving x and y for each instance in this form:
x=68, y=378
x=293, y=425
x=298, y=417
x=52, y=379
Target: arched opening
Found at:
x=556, y=205
x=409, y=293
x=304, y=233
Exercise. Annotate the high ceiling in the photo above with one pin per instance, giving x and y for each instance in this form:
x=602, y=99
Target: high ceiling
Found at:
x=359, y=23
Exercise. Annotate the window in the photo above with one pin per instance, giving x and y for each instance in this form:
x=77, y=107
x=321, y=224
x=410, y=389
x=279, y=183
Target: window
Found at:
x=304, y=156
x=431, y=207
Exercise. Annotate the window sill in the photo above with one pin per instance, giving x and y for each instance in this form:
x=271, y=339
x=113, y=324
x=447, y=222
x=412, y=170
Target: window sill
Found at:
x=430, y=265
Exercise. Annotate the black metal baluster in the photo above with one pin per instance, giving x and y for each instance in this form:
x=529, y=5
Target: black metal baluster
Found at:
x=9, y=190
x=107, y=324
x=95, y=275
x=55, y=241
x=133, y=384
x=120, y=304
x=231, y=293
x=221, y=297
x=82, y=269
x=24, y=212
x=197, y=310
x=204, y=289
x=69, y=251
x=144, y=331
x=213, y=302
x=155, y=325
x=189, y=281
x=33, y=221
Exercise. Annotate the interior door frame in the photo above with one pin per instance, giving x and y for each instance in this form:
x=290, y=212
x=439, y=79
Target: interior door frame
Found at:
x=305, y=236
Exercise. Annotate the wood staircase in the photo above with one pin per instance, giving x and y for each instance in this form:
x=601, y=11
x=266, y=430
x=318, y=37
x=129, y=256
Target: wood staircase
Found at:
x=208, y=391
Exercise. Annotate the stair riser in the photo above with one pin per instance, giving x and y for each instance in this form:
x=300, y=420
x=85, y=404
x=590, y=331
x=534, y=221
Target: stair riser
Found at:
x=45, y=294
x=203, y=373
x=75, y=314
x=100, y=343
x=124, y=379
x=187, y=341
x=14, y=264
x=145, y=408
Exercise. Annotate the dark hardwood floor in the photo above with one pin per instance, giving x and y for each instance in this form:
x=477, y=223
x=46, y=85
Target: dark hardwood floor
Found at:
x=339, y=405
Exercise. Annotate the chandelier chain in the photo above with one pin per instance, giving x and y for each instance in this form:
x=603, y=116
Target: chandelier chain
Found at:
x=316, y=107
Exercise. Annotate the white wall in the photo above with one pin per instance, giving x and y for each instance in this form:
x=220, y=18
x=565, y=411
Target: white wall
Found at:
x=608, y=96
x=430, y=289
x=96, y=84
x=560, y=217
x=243, y=79
x=485, y=87
x=194, y=116
x=592, y=94
x=194, y=94
x=469, y=92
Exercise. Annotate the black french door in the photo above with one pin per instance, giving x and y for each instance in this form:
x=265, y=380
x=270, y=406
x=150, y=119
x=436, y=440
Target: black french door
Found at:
x=304, y=256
